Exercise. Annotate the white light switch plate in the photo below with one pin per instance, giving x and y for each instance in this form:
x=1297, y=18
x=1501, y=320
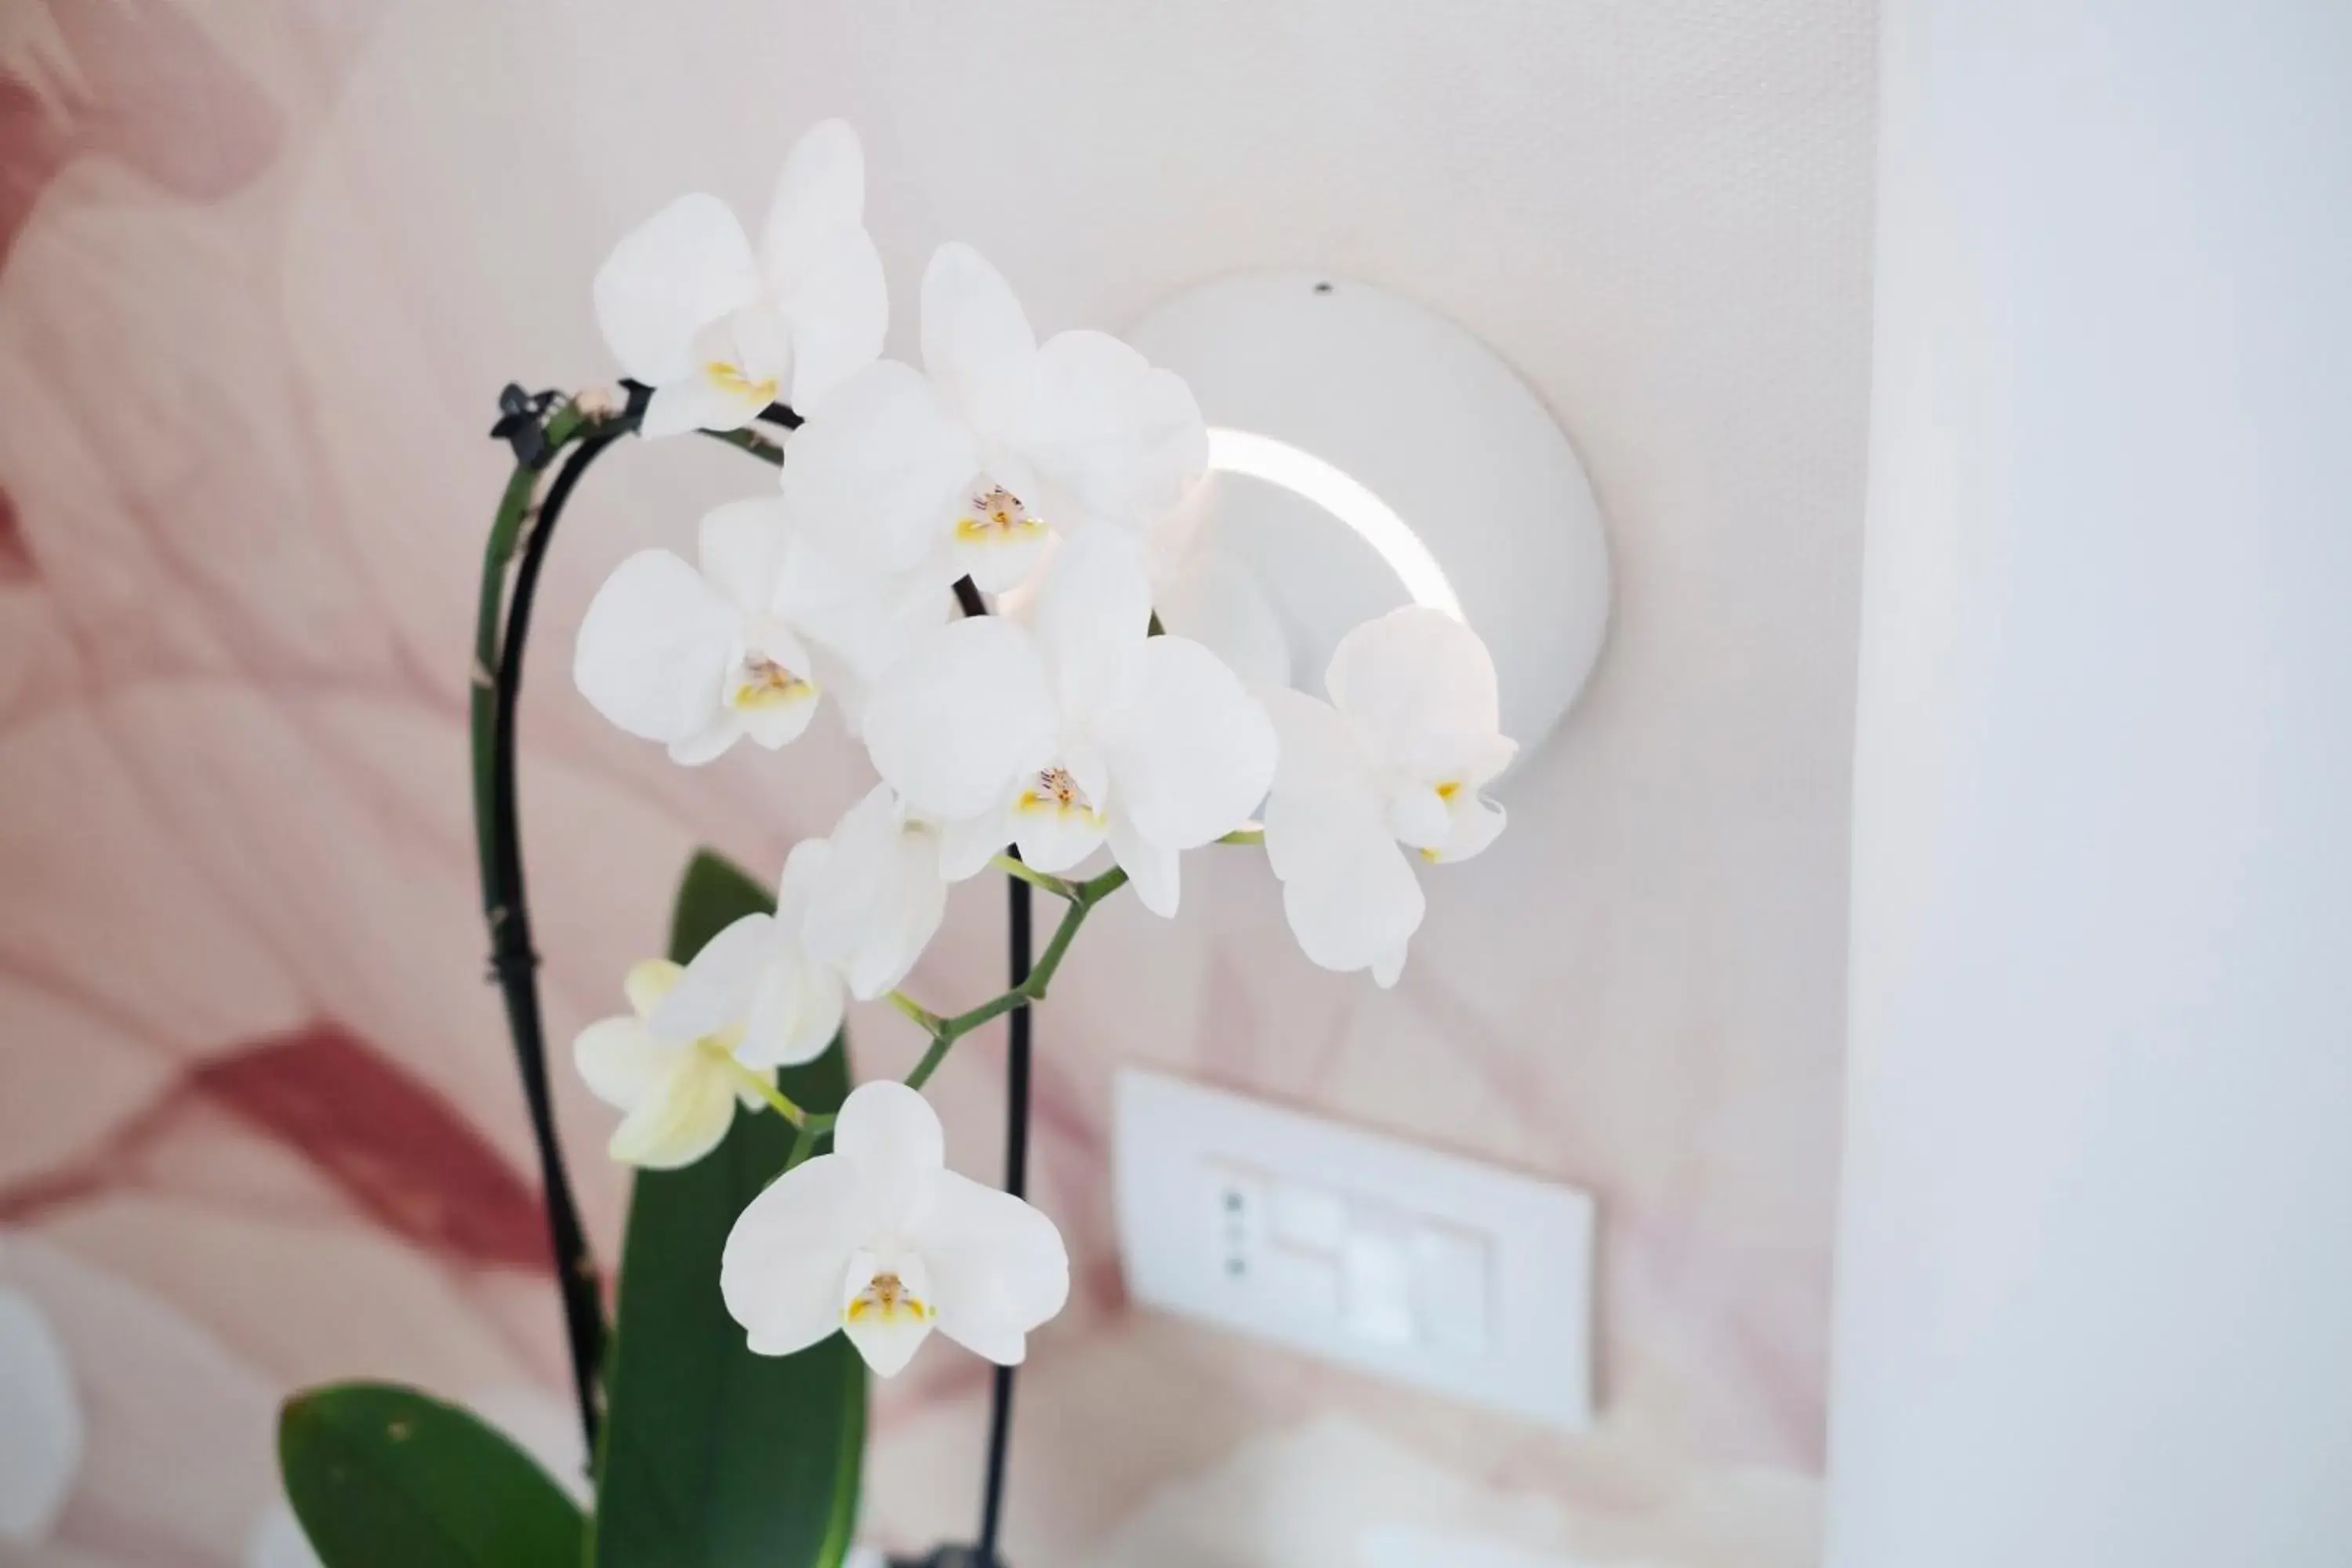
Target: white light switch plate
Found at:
x=1404, y=1548
x=1424, y=1267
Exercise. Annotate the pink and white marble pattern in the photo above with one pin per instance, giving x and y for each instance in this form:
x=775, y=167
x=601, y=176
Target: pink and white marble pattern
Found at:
x=264, y=265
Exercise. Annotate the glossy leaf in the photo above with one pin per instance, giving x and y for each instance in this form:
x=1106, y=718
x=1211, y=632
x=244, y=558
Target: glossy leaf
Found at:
x=714, y=1457
x=383, y=1477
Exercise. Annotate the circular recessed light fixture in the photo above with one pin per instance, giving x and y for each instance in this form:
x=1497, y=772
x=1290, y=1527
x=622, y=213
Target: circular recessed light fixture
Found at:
x=1366, y=453
x=1312, y=479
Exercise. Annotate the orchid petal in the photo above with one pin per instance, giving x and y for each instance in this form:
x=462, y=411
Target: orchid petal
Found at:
x=758, y=342
x=747, y=1093
x=1054, y=838
x=998, y=563
x=684, y=267
x=868, y=621
x=1420, y=688
x=1194, y=756
x=839, y=305
x=881, y=898
x=960, y=718
x=1349, y=893
x=805, y=864
x=876, y=472
x=683, y=1120
x=621, y=1061
x=781, y=1269
x=968, y=846
x=820, y=192
x=977, y=343
x=891, y=1133
x=1093, y=618
x=699, y=402
x=648, y=982
x=1120, y=440
x=716, y=990
x=1151, y=868
x=998, y=1267
x=796, y=1003
x=740, y=547
x=1476, y=822
x=654, y=647
x=794, y=1014
x=1417, y=816
x=778, y=725
x=712, y=741
x=887, y=1343
x=1317, y=748
x=42, y=1437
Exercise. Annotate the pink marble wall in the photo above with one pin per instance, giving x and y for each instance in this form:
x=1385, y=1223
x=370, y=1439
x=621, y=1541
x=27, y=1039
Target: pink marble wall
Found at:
x=263, y=266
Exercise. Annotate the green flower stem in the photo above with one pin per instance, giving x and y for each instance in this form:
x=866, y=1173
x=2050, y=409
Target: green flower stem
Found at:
x=945, y=1032
x=805, y=1146
x=764, y=1087
x=751, y=441
x=567, y=426
x=1034, y=878
x=924, y=1017
x=1244, y=835
x=571, y=434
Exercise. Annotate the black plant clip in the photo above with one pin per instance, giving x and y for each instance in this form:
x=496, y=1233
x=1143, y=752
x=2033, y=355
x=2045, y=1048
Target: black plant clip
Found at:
x=522, y=422
x=639, y=397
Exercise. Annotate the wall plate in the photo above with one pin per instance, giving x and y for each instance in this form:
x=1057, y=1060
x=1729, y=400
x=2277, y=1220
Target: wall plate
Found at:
x=1423, y=1267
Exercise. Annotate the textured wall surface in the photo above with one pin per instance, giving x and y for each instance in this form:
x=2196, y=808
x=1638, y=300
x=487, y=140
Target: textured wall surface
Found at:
x=264, y=265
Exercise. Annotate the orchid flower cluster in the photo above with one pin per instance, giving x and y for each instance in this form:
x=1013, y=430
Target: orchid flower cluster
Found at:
x=1065, y=726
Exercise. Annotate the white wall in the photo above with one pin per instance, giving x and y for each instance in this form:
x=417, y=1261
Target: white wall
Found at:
x=2095, y=1267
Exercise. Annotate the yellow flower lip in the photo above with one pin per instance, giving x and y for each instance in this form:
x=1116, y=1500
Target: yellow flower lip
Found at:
x=887, y=1298
x=730, y=378
x=1057, y=791
x=764, y=683
x=997, y=515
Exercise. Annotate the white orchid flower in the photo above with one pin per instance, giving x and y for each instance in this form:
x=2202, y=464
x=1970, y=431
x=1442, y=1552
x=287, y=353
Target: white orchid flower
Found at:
x=745, y=646
x=718, y=332
x=880, y=896
x=1075, y=732
x=759, y=976
x=1396, y=758
x=881, y=1240
x=971, y=468
x=677, y=1096
x=42, y=1434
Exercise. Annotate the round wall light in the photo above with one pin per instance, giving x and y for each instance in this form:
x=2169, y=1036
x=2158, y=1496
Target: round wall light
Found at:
x=1366, y=453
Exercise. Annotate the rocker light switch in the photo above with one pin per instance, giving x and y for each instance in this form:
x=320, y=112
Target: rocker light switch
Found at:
x=1308, y=1217
x=1361, y=1248
x=1449, y=1286
x=1377, y=1285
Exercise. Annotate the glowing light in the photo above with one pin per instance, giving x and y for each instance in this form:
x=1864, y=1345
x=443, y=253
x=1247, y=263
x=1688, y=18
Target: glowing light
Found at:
x=1311, y=479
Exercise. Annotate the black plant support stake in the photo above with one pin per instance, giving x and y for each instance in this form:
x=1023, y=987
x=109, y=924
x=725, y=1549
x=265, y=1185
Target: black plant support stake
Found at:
x=541, y=427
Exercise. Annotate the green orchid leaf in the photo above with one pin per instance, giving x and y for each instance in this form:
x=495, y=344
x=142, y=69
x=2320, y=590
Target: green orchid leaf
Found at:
x=383, y=1477
x=713, y=1456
